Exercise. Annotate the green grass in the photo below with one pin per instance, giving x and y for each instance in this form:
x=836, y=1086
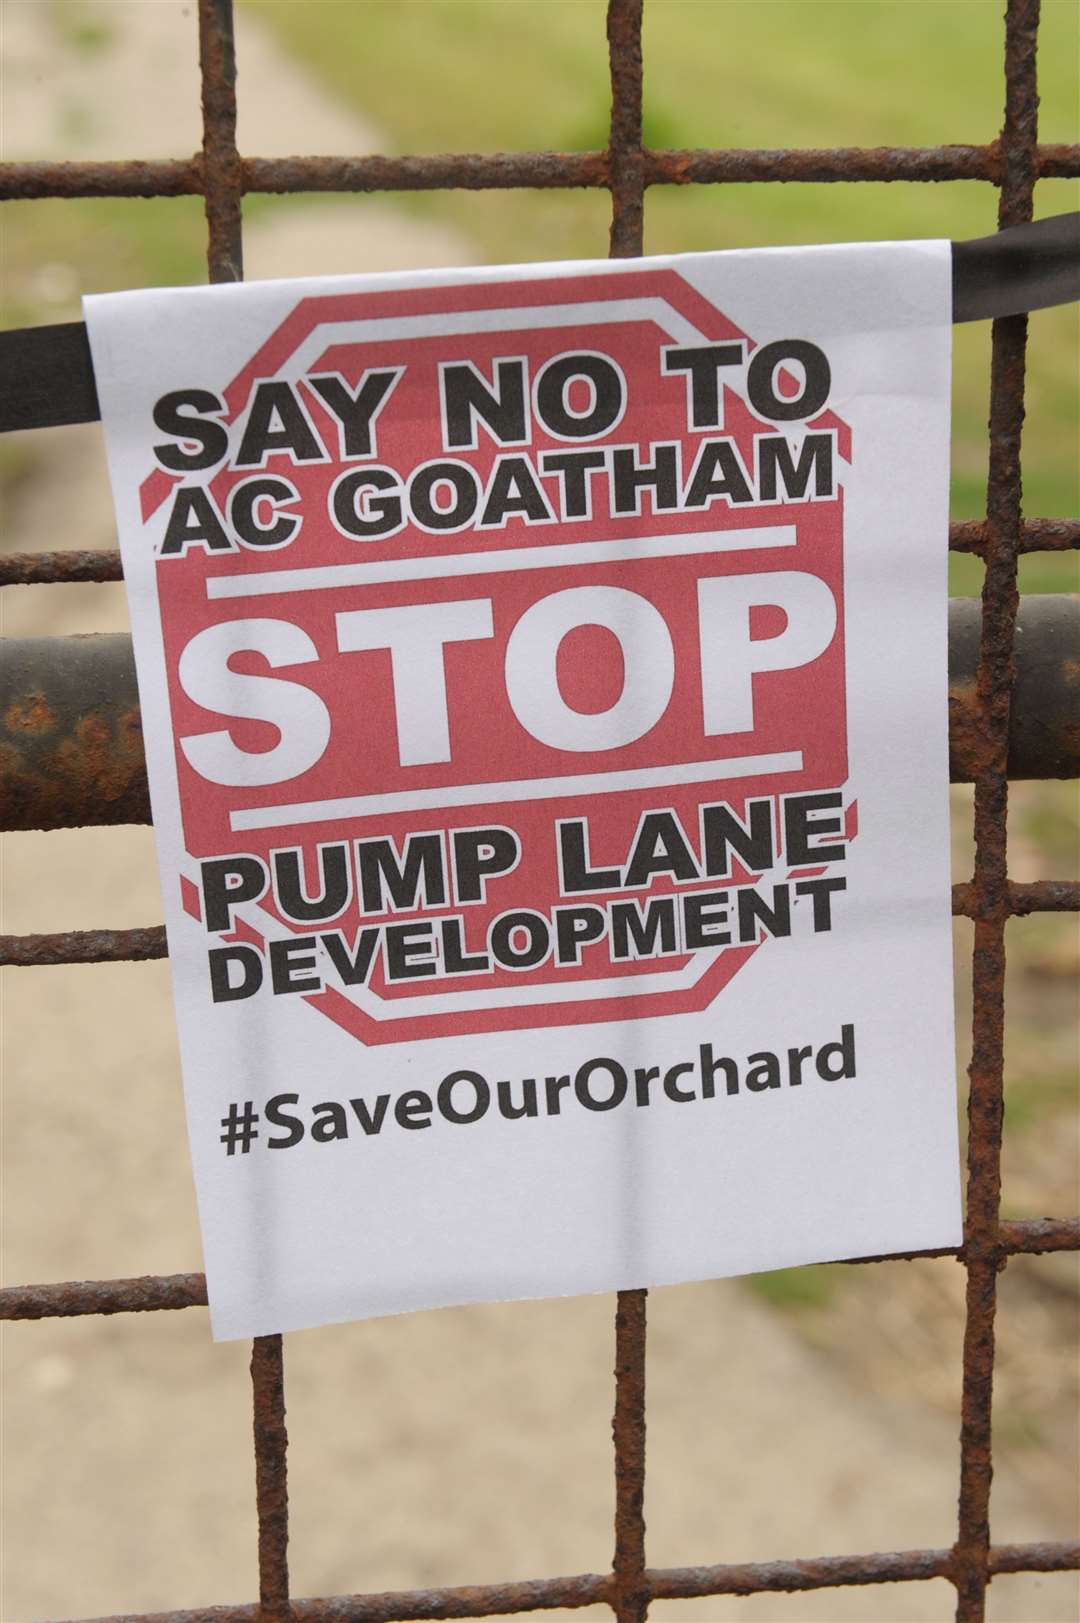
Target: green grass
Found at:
x=483, y=75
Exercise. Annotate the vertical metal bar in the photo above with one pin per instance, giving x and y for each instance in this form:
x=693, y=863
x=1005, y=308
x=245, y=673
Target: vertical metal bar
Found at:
x=626, y=162
x=994, y=690
x=631, y=1594
x=271, y=1484
x=222, y=190
x=222, y=178
x=626, y=179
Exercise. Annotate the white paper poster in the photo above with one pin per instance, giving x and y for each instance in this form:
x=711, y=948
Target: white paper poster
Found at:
x=543, y=675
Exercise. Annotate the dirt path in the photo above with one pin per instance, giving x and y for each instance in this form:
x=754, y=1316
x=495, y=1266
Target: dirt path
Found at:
x=439, y=1448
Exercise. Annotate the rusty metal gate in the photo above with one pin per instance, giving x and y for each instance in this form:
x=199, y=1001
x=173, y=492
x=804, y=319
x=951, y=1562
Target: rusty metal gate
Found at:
x=1003, y=719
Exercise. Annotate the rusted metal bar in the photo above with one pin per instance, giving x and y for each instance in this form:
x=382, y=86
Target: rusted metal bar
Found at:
x=121, y=177
x=1033, y=1235
x=1043, y=721
x=83, y=947
x=1049, y=1556
x=481, y=1600
x=826, y=1572
x=152, y=1293
x=836, y=1571
x=630, y=1594
x=625, y=153
x=79, y=1298
x=71, y=735
x=1036, y=535
x=271, y=1482
x=838, y=164
x=71, y=746
x=664, y=1583
x=451, y=171
x=630, y=1597
x=994, y=685
x=536, y=171
x=222, y=176
x=1037, y=896
x=60, y=568
x=1030, y=1236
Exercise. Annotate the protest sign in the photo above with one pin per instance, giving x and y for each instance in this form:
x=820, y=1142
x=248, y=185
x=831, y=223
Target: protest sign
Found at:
x=543, y=679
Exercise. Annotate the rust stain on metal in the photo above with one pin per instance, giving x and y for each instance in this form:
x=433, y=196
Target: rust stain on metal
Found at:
x=30, y=715
x=71, y=744
x=968, y=744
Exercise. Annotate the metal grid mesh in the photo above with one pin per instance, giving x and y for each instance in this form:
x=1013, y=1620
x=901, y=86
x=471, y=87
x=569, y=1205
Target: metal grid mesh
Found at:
x=1013, y=163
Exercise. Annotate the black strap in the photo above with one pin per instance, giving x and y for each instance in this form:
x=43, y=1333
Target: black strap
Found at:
x=48, y=376
x=1027, y=267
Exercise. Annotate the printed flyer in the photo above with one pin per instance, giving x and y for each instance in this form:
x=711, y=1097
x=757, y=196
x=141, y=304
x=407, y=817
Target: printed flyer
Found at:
x=543, y=678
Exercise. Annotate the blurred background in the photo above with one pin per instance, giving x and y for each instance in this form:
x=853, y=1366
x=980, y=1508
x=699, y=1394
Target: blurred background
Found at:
x=794, y=1413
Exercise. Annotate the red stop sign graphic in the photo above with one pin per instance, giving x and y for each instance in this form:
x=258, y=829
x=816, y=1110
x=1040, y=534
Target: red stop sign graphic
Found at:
x=488, y=713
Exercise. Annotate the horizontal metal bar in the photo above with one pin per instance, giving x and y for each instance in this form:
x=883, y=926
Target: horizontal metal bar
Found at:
x=1030, y=1236
x=496, y=171
x=450, y=171
x=71, y=747
x=663, y=1583
x=1044, y=739
x=1041, y=1557
x=838, y=164
x=65, y=568
x=139, y=945
x=154, y=1292
x=966, y=535
x=151, y=1293
x=1036, y=1236
x=71, y=731
x=73, y=566
x=826, y=1572
x=1036, y=896
x=83, y=947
